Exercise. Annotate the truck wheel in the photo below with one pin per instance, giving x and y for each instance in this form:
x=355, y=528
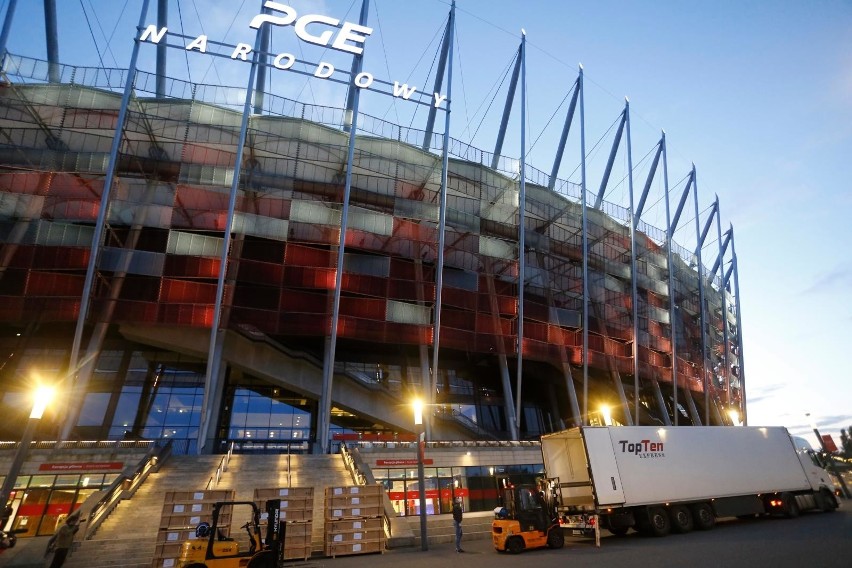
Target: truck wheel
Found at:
x=555, y=538
x=618, y=531
x=791, y=507
x=681, y=519
x=703, y=517
x=660, y=525
x=829, y=502
x=263, y=559
x=514, y=545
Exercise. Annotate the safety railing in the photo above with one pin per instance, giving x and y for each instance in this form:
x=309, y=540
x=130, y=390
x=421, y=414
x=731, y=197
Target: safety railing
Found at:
x=125, y=486
x=221, y=468
x=362, y=475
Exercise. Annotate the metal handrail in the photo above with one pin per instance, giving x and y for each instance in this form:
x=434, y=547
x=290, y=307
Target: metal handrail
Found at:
x=363, y=476
x=221, y=468
x=125, y=486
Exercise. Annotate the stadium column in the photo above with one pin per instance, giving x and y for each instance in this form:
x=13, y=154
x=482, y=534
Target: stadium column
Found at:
x=585, y=238
x=634, y=294
x=670, y=266
x=324, y=417
x=446, y=53
x=701, y=319
x=673, y=310
x=652, y=172
x=726, y=366
x=79, y=381
x=213, y=381
x=522, y=206
x=740, y=361
x=576, y=417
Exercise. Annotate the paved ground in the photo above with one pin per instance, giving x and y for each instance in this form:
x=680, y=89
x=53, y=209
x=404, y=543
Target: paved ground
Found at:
x=815, y=539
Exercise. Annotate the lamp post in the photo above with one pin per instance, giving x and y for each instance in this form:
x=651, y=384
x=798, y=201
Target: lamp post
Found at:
x=41, y=399
x=421, y=477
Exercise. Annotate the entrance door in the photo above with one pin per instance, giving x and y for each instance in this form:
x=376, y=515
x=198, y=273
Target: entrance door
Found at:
x=445, y=494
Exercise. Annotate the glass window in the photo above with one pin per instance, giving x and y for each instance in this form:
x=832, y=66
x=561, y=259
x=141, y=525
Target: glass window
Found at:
x=67, y=480
x=126, y=409
x=94, y=408
x=42, y=480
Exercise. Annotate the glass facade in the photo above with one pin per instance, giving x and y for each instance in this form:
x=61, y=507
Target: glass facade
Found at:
x=478, y=486
x=40, y=503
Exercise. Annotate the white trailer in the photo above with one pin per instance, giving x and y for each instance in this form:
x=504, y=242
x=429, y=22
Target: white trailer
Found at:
x=662, y=479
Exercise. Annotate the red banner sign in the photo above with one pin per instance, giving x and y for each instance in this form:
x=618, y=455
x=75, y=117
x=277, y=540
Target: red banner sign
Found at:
x=412, y=461
x=81, y=466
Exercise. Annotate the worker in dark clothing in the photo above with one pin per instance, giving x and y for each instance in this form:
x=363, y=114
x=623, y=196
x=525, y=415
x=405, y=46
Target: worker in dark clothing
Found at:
x=457, y=521
x=60, y=543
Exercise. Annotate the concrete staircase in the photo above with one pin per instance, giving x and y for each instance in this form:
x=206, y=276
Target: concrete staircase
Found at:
x=247, y=472
x=440, y=529
x=128, y=537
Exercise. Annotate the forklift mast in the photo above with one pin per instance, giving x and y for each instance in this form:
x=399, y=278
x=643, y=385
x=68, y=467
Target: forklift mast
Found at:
x=275, y=529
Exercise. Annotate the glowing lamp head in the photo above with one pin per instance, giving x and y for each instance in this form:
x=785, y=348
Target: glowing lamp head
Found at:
x=41, y=398
x=417, y=405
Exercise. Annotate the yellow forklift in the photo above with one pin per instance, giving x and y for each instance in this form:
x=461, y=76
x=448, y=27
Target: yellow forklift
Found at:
x=527, y=519
x=212, y=548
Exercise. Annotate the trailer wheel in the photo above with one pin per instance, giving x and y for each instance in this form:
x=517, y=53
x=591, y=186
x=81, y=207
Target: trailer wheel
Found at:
x=681, y=519
x=619, y=530
x=660, y=524
x=555, y=538
x=514, y=545
x=791, y=507
x=703, y=517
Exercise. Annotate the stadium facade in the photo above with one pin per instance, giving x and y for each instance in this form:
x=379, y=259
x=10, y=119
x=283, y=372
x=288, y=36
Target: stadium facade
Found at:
x=175, y=263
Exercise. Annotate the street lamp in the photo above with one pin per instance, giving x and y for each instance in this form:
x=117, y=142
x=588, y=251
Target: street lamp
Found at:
x=41, y=398
x=417, y=405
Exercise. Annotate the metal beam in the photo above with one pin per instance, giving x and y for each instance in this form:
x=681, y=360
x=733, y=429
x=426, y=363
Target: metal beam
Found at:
x=522, y=205
x=214, y=374
x=7, y=26
x=651, y=173
x=162, y=22
x=701, y=318
x=442, y=225
x=97, y=234
x=634, y=292
x=507, y=110
x=724, y=309
x=670, y=262
x=713, y=210
x=446, y=53
x=324, y=418
x=612, y=153
x=263, y=69
x=740, y=353
x=585, y=228
x=563, y=139
x=723, y=250
x=52, y=39
x=357, y=64
x=679, y=210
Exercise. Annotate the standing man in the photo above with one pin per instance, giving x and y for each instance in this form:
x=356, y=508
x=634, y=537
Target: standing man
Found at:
x=60, y=543
x=457, y=521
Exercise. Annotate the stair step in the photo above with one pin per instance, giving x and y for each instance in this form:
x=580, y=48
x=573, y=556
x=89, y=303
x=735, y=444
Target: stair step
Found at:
x=128, y=538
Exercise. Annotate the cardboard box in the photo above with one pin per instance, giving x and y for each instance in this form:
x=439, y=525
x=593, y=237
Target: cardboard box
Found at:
x=211, y=495
x=347, y=548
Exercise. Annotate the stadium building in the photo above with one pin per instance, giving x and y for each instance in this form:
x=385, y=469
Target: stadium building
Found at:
x=185, y=265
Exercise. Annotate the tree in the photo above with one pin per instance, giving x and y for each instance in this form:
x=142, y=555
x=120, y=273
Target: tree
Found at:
x=846, y=443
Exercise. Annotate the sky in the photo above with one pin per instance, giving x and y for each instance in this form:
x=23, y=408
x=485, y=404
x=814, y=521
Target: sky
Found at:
x=757, y=94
